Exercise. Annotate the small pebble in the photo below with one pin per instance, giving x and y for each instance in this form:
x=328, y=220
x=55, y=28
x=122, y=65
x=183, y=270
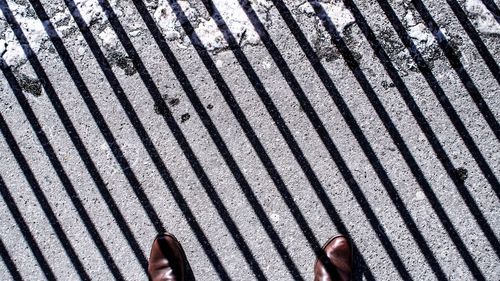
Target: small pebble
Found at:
x=419, y=195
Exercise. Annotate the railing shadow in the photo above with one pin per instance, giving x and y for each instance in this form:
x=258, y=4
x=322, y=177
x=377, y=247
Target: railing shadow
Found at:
x=24, y=228
x=348, y=117
x=181, y=139
x=106, y=132
x=493, y=8
x=234, y=46
x=74, y=136
x=66, y=182
x=231, y=163
x=44, y=203
x=249, y=132
x=362, y=140
x=218, y=140
x=426, y=128
x=353, y=65
x=7, y=260
x=454, y=59
x=426, y=71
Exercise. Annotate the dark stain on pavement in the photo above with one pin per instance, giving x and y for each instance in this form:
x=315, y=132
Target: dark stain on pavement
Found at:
x=173, y=101
x=123, y=62
x=461, y=174
x=185, y=117
x=30, y=85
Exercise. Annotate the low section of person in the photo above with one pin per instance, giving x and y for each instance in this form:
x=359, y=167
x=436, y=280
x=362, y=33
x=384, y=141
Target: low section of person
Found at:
x=335, y=261
x=168, y=262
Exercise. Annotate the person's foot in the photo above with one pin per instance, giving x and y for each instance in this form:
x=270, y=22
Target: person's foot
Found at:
x=167, y=261
x=336, y=265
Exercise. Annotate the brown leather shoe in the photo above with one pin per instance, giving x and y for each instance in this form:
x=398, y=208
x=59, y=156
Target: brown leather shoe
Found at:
x=337, y=264
x=167, y=261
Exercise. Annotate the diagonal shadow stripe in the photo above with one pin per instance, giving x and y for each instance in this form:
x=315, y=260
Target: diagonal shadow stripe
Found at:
x=66, y=182
x=363, y=142
x=11, y=266
x=454, y=59
x=249, y=132
x=24, y=228
x=161, y=42
x=441, y=96
x=174, y=128
x=461, y=130
x=349, y=57
x=42, y=200
x=424, y=125
x=61, y=173
x=230, y=162
x=493, y=8
x=352, y=63
x=317, y=123
x=148, y=144
x=399, y=141
x=233, y=44
x=75, y=138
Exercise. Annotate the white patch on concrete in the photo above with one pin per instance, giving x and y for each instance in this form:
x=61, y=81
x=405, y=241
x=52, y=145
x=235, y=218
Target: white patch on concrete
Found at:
x=103, y=146
x=108, y=38
x=306, y=8
x=482, y=18
x=338, y=14
x=90, y=10
x=206, y=27
x=135, y=33
x=266, y=63
x=219, y=63
x=13, y=53
x=167, y=21
x=419, y=196
x=236, y=19
x=81, y=51
x=93, y=14
x=274, y=217
x=336, y=11
x=420, y=34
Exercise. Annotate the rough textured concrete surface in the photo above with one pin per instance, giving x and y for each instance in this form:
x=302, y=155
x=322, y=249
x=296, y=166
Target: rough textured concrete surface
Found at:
x=253, y=130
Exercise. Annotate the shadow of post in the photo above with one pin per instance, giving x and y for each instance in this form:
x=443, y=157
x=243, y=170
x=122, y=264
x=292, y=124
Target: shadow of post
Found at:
x=262, y=92
x=353, y=65
x=45, y=206
x=426, y=72
x=24, y=228
x=61, y=173
x=7, y=260
x=493, y=8
x=428, y=132
x=454, y=59
x=175, y=129
x=73, y=134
